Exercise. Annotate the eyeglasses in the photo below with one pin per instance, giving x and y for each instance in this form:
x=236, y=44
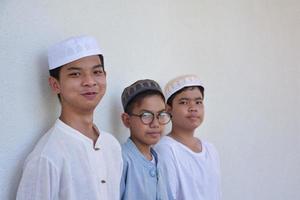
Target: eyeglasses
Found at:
x=148, y=117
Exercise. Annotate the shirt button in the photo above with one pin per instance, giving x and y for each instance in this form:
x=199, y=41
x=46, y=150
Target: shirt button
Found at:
x=152, y=172
x=103, y=181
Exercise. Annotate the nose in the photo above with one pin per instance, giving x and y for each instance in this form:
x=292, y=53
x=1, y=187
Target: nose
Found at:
x=88, y=80
x=193, y=108
x=154, y=123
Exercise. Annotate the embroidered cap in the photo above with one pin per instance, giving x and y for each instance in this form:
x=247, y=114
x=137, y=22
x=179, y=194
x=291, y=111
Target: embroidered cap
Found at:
x=138, y=87
x=180, y=82
x=72, y=49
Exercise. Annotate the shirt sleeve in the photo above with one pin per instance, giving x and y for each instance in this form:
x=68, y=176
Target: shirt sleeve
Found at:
x=123, y=179
x=40, y=180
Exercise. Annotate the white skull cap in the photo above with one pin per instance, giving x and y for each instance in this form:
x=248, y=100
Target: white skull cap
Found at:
x=180, y=82
x=72, y=49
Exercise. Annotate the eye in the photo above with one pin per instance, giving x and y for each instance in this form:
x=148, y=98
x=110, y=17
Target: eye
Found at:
x=163, y=114
x=146, y=115
x=74, y=74
x=183, y=102
x=98, y=72
x=199, y=102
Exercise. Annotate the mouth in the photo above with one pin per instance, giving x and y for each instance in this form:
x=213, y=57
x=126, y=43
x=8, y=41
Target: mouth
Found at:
x=193, y=117
x=89, y=95
x=154, y=134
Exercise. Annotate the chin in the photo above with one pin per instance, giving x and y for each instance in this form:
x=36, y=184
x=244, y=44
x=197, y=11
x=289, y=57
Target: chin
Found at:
x=156, y=141
x=89, y=108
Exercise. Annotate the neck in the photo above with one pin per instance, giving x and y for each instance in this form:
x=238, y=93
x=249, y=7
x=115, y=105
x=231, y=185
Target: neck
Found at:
x=182, y=134
x=81, y=122
x=144, y=149
x=187, y=138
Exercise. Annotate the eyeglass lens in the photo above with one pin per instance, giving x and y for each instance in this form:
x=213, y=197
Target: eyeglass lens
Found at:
x=148, y=117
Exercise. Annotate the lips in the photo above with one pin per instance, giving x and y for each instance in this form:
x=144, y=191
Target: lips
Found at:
x=193, y=117
x=89, y=95
x=154, y=134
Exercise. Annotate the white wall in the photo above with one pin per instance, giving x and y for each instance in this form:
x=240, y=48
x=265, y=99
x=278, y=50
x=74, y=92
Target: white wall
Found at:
x=246, y=51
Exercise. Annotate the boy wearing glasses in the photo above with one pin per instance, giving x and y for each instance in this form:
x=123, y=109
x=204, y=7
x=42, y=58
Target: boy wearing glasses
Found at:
x=145, y=116
x=190, y=164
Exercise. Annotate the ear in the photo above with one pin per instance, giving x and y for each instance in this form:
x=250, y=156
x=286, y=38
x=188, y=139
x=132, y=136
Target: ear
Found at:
x=54, y=84
x=168, y=108
x=125, y=119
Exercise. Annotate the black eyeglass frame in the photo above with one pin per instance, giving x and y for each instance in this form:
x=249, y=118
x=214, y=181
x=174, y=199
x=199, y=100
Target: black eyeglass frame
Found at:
x=157, y=115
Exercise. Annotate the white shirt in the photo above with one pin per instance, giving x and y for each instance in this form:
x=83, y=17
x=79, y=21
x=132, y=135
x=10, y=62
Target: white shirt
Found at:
x=191, y=176
x=65, y=165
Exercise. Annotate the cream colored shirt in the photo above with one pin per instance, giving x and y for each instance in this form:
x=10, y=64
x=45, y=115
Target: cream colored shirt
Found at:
x=65, y=165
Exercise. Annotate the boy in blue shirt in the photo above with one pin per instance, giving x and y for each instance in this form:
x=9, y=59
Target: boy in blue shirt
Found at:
x=145, y=116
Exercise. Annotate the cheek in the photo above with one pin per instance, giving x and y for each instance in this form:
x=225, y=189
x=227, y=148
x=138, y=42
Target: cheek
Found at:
x=135, y=124
x=179, y=112
x=66, y=86
x=101, y=80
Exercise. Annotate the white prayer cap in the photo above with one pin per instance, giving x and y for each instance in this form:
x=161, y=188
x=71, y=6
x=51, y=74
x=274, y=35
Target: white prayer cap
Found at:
x=72, y=49
x=180, y=82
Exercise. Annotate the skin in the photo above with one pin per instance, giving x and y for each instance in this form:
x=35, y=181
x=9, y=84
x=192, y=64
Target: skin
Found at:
x=81, y=86
x=144, y=136
x=187, y=112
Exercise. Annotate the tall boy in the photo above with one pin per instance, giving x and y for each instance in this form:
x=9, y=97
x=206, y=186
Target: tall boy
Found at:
x=145, y=116
x=191, y=165
x=74, y=160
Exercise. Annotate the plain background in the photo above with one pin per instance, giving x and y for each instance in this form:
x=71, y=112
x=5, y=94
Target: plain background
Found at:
x=245, y=51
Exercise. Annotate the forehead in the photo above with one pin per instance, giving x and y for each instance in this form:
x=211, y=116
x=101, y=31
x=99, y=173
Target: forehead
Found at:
x=189, y=93
x=151, y=103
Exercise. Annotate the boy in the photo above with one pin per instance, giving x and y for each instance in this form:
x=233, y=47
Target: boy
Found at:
x=145, y=116
x=191, y=165
x=74, y=160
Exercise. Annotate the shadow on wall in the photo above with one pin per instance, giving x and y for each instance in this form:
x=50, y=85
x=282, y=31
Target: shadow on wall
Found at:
x=118, y=129
x=46, y=112
x=49, y=100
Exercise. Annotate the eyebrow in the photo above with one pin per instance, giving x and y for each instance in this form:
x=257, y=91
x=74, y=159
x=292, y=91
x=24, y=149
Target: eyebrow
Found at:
x=187, y=99
x=78, y=68
x=152, y=111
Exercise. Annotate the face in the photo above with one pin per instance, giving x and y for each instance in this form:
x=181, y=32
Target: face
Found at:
x=81, y=85
x=141, y=134
x=187, y=109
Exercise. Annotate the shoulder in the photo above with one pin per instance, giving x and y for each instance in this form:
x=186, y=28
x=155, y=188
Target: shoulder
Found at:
x=166, y=148
x=129, y=151
x=47, y=146
x=44, y=154
x=165, y=142
x=125, y=148
x=210, y=150
x=209, y=146
x=108, y=139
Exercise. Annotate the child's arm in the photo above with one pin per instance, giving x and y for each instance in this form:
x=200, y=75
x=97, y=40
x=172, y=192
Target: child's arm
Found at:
x=39, y=181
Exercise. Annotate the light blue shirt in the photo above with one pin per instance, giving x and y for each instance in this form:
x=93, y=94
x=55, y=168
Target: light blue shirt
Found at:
x=141, y=179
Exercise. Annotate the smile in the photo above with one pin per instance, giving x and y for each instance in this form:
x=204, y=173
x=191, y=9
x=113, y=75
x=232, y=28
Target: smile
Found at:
x=89, y=95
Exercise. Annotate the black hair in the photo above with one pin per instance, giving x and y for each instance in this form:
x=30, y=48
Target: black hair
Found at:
x=140, y=97
x=171, y=98
x=56, y=71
